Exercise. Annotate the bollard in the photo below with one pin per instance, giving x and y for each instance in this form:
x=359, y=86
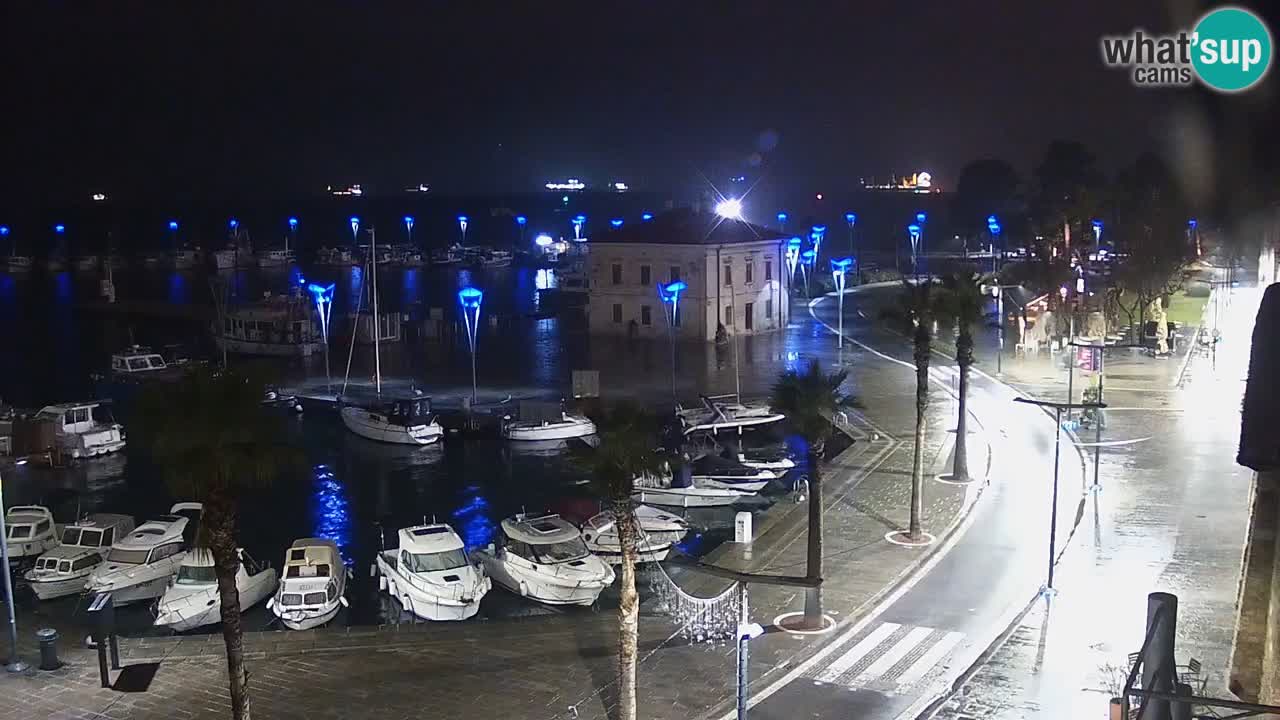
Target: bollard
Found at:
x=1158, y=669
x=48, y=639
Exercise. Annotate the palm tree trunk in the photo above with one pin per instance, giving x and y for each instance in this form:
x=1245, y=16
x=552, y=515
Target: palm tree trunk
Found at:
x=222, y=543
x=628, y=612
x=964, y=358
x=813, y=595
x=922, y=349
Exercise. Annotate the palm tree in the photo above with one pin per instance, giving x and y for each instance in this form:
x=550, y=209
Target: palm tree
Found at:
x=213, y=439
x=627, y=440
x=961, y=302
x=917, y=312
x=808, y=399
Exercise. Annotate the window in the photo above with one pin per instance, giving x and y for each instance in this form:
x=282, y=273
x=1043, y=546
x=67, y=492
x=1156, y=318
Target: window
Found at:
x=617, y=312
x=768, y=270
x=520, y=549
x=728, y=314
x=768, y=309
x=644, y=274
x=749, y=275
x=108, y=537
x=196, y=575
x=563, y=551
x=674, y=273
x=728, y=274
x=646, y=315
x=748, y=317
x=433, y=562
x=331, y=592
x=127, y=557
x=165, y=551
x=315, y=598
x=19, y=532
x=42, y=527
x=138, y=364
x=290, y=599
x=617, y=273
x=71, y=536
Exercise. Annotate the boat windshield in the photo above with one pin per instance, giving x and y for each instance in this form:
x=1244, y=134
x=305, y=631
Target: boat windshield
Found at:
x=71, y=536
x=19, y=532
x=196, y=575
x=127, y=557
x=434, y=562
x=563, y=551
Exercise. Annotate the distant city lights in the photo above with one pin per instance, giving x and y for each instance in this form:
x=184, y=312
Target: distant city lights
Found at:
x=99, y=197
x=419, y=188
x=543, y=240
x=729, y=208
x=620, y=187
x=571, y=184
x=921, y=182
x=349, y=190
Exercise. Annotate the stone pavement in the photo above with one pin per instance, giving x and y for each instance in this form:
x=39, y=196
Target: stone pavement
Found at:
x=560, y=666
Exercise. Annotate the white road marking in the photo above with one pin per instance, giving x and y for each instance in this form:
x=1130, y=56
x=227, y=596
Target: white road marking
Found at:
x=931, y=657
x=894, y=654
x=851, y=658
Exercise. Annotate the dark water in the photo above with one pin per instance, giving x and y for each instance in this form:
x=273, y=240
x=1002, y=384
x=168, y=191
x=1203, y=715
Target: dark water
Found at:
x=355, y=491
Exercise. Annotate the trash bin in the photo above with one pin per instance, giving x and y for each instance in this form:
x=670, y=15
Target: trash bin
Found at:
x=48, y=638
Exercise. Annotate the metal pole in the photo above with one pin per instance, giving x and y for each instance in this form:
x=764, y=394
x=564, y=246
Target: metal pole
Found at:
x=1053, y=517
x=15, y=664
x=1097, y=428
x=1071, y=374
x=840, y=332
x=377, y=330
x=743, y=652
x=1158, y=665
x=1000, y=329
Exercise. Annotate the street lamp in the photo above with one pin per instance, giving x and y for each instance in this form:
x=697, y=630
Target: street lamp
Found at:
x=669, y=294
x=729, y=209
x=1194, y=234
x=577, y=227
x=323, y=297
x=851, y=219
x=470, y=298
x=914, y=231
x=462, y=225
x=782, y=222
x=616, y=222
x=793, y=257
x=807, y=260
x=15, y=663
x=646, y=217
x=817, y=233
x=59, y=228
x=173, y=233
x=521, y=221
x=1097, y=232
x=839, y=267
x=408, y=228
x=355, y=228
x=993, y=226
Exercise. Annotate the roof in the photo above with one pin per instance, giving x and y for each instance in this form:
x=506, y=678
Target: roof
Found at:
x=98, y=521
x=167, y=528
x=63, y=407
x=542, y=530
x=27, y=514
x=687, y=227
x=71, y=552
x=314, y=550
x=433, y=538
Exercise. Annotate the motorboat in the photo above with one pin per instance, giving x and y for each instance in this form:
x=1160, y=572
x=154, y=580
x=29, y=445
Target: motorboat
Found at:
x=546, y=421
x=138, y=363
x=314, y=585
x=277, y=326
x=65, y=569
x=411, y=259
x=273, y=396
x=431, y=575
x=776, y=460
x=496, y=259
x=724, y=412
x=773, y=456
x=192, y=598
x=658, y=531
x=186, y=258
x=335, y=257
x=446, y=256
x=714, y=471
x=29, y=531
x=682, y=491
x=545, y=559
x=86, y=263
x=81, y=430
x=138, y=566
x=405, y=421
x=19, y=263
x=225, y=259
x=277, y=258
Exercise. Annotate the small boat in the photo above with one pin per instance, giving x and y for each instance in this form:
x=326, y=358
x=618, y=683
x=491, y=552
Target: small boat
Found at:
x=314, y=585
x=545, y=559
x=778, y=461
x=447, y=256
x=186, y=258
x=334, y=257
x=65, y=569
x=138, y=566
x=19, y=263
x=431, y=575
x=545, y=421
x=82, y=430
x=496, y=259
x=724, y=412
x=193, y=600
x=138, y=363
x=658, y=531
x=405, y=421
x=682, y=491
x=714, y=471
x=411, y=259
x=278, y=326
x=86, y=263
x=224, y=259
x=30, y=531
x=275, y=258
x=274, y=397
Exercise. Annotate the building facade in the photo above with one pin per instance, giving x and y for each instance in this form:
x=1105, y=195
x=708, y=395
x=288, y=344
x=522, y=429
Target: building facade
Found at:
x=735, y=272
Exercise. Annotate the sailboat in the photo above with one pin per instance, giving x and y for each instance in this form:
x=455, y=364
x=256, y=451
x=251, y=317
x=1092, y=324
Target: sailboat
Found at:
x=405, y=420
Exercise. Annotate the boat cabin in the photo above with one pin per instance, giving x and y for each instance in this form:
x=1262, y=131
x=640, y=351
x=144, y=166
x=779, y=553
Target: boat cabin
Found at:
x=29, y=530
x=431, y=548
x=548, y=539
x=312, y=570
x=137, y=359
x=278, y=319
x=74, y=418
x=97, y=531
x=406, y=412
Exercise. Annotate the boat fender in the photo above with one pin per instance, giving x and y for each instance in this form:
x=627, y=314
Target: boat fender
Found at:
x=524, y=589
x=373, y=570
x=343, y=600
x=382, y=583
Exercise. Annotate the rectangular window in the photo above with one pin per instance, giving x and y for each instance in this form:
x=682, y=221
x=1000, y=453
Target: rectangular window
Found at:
x=617, y=273
x=617, y=312
x=749, y=275
x=644, y=275
x=768, y=270
x=768, y=309
x=728, y=275
x=747, y=319
x=675, y=273
x=728, y=315
x=646, y=315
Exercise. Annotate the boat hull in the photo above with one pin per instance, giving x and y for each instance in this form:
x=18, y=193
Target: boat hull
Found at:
x=542, y=588
x=426, y=606
x=268, y=349
x=61, y=587
x=362, y=423
x=137, y=592
x=193, y=610
x=613, y=556
x=678, y=497
x=294, y=621
x=745, y=486
x=548, y=431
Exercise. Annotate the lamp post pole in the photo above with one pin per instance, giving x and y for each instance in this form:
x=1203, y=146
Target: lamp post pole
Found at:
x=669, y=294
x=839, y=267
x=852, y=220
x=913, y=230
x=470, y=299
x=15, y=664
x=994, y=227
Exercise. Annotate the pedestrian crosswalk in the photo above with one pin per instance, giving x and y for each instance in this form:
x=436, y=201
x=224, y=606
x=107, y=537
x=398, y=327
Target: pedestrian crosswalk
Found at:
x=888, y=657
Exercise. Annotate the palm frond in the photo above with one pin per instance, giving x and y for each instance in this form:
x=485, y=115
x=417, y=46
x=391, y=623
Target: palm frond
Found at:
x=808, y=398
x=628, y=448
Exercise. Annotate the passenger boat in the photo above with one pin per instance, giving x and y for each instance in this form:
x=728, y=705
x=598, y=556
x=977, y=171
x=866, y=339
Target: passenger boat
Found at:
x=31, y=532
x=192, y=598
x=65, y=569
x=405, y=421
x=278, y=258
x=724, y=412
x=682, y=491
x=545, y=421
x=657, y=529
x=279, y=326
x=81, y=430
x=138, y=566
x=431, y=575
x=314, y=585
x=545, y=559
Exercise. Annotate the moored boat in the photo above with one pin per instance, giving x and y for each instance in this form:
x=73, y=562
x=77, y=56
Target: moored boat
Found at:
x=545, y=559
x=431, y=575
x=658, y=531
x=30, y=530
x=313, y=587
x=138, y=566
x=192, y=598
x=65, y=569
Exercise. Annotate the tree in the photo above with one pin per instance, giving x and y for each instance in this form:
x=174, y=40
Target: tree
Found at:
x=213, y=439
x=1154, y=255
x=961, y=302
x=628, y=437
x=809, y=399
x=915, y=315
x=1070, y=189
x=988, y=186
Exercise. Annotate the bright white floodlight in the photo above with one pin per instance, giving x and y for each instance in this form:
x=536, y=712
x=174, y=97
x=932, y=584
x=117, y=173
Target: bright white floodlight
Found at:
x=730, y=208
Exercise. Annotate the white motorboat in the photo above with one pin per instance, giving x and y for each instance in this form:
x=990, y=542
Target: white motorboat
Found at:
x=137, y=363
x=83, y=429
x=19, y=263
x=682, y=491
x=406, y=421
x=546, y=421
x=431, y=575
x=545, y=559
x=724, y=412
x=336, y=257
x=496, y=259
x=275, y=258
x=447, y=256
x=658, y=531
x=225, y=259
x=778, y=462
x=278, y=326
x=65, y=569
x=30, y=530
x=138, y=566
x=193, y=600
x=314, y=585
x=716, y=472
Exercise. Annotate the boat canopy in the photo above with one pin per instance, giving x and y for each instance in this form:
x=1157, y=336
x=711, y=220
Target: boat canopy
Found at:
x=543, y=530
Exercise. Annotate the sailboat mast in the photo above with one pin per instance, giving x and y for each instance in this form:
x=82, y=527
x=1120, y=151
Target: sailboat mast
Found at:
x=377, y=334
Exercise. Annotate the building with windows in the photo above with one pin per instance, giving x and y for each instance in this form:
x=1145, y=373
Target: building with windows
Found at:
x=735, y=272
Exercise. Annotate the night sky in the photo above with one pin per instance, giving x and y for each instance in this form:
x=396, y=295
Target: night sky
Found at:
x=185, y=99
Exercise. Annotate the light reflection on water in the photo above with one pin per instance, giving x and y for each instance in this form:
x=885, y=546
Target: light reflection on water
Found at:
x=330, y=510
x=472, y=520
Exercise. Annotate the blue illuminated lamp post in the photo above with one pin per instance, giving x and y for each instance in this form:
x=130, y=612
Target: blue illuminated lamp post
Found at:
x=323, y=297
x=59, y=228
x=470, y=298
x=646, y=217
x=355, y=228
x=782, y=222
x=993, y=226
x=462, y=225
x=793, y=258
x=913, y=230
x=920, y=220
x=839, y=268
x=851, y=219
x=577, y=227
x=616, y=222
x=807, y=260
x=817, y=233
x=408, y=228
x=1097, y=232
x=521, y=221
x=1194, y=234
x=669, y=294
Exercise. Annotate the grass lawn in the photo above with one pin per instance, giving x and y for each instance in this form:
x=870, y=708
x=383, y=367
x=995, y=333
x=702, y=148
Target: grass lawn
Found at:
x=1186, y=311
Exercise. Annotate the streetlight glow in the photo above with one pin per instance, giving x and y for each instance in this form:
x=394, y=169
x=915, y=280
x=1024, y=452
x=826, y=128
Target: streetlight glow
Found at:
x=543, y=240
x=729, y=208
x=839, y=267
x=616, y=222
x=470, y=299
x=293, y=224
x=646, y=217
x=59, y=228
x=669, y=294
x=355, y=226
